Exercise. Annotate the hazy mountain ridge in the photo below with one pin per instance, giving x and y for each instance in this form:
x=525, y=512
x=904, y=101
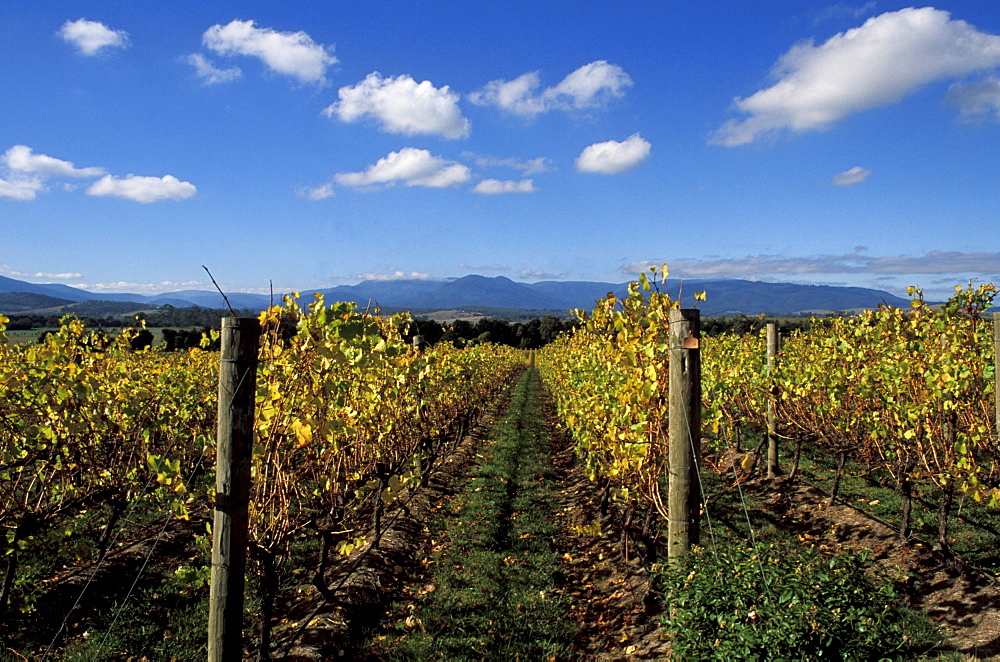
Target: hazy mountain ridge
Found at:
x=730, y=296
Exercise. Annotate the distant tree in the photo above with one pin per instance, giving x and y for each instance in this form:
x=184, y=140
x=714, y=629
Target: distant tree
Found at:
x=549, y=329
x=175, y=340
x=500, y=332
x=430, y=330
x=528, y=334
x=142, y=340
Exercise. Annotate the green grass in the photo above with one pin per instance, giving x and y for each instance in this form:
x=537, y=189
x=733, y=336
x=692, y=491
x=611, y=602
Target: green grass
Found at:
x=494, y=593
x=25, y=336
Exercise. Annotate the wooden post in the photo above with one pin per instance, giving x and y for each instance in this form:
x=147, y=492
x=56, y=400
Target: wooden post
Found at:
x=234, y=445
x=684, y=500
x=772, y=427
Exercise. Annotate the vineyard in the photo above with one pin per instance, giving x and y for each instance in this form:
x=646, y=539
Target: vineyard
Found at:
x=108, y=485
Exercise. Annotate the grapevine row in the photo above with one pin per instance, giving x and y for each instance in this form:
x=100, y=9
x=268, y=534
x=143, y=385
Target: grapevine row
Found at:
x=908, y=392
x=98, y=441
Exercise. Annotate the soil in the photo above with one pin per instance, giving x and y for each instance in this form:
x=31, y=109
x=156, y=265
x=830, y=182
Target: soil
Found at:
x=963, y=600
x=615, y=601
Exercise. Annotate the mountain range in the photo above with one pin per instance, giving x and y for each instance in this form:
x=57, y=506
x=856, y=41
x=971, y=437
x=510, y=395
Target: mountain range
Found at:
x=724, y=296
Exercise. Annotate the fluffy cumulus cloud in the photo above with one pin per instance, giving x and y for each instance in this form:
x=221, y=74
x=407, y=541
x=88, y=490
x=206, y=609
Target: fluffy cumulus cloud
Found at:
x=25, y=188
x=402, y=105
x=91, y=37
x=612, y=157
x=851, y=176
x=977, y=100
x=22, y=159
x=409, y=166
x=25, y=173
x=143, y=189
x=496, y=186
x=211, y=74
x=590, y=86
x=292, y=54
x=874, y=65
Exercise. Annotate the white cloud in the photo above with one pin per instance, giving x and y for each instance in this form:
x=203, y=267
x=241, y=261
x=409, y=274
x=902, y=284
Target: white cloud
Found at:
x=841, y=9
x=934, y=262
x=535, y=274
x=518, y=96
x=496, y=186
x=21, y=188
x=148, y=288
x=26, y=173
x=143, y=189
x=979, y=100
x=321, y=192
x=851, y=176
x=590, y=86
x=488, y=267
x=412, y=167
x=401, y=105
x=89, y=37
x=612, y=157
x=43, y=275
x=396, y=275
x=292, y=54
x=22, y=159
x=209, y=73
x=877, y=64
x=529, y=167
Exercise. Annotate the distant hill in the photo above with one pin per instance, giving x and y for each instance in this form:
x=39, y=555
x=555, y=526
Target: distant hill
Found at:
x=15, y=302
x=724, y=296
x=482, y=291
x=57, y=291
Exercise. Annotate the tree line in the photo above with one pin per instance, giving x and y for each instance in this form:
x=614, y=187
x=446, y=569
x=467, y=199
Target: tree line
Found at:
x=463, y=333
x=184, y=327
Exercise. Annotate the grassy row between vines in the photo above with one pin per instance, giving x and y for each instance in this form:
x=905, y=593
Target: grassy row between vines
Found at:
x=493, y=592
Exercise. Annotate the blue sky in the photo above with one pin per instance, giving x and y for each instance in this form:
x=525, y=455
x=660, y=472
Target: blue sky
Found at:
x=315, y=143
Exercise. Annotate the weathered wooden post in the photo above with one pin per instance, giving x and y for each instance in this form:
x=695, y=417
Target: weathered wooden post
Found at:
x=234, y=445
x=684, y=499
x=772, y=426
